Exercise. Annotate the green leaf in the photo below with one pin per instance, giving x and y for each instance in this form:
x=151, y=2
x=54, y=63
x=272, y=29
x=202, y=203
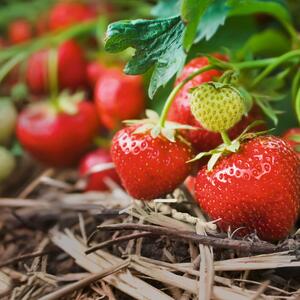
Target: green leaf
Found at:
x=191, y=13
x=16, y=149
x=157, y=42
x=241, y=28
x=269, y=42
x=247, y=98
x=166, y=8
x=275, y=8
x=213, y=18
x=267, y=109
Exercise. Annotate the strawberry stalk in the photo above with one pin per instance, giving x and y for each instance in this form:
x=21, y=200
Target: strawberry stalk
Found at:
x=277, y=62
x=297, y=105
x=53, y=74
x=225, y=138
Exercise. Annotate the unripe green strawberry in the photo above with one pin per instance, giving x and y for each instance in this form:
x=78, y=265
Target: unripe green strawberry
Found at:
x=8, y=119
x=7, y=162
x=217, y=106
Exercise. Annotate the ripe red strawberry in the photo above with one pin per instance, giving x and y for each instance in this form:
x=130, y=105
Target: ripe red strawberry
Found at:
x=71, y=68
x=149, y=167
x=57, y=138
x=257, y=189
x=180, y=111
x=19, y=31
x=190, y=184
x=64, y=15
x=292, y=136
x=96, y=180
x=118, y=97
x=94, y=70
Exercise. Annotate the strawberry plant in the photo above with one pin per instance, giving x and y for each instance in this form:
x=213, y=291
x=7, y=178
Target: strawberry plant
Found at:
x=214, y=93
x=173, y=124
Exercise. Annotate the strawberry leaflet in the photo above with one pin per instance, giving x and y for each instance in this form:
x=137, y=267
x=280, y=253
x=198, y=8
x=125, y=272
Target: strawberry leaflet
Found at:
x=157, y=42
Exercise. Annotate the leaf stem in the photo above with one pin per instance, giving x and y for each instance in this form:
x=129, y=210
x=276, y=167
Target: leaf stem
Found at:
x=53, y=76
x=252, y=64
x=291, y=30
x=225, y=138
x=177, y=88
x=297, y=105
x=278, y=61
x=10, y=64
x=52, y=38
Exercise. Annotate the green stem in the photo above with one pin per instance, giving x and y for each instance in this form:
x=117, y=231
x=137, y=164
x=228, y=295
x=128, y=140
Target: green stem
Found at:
x=277, y=62
x=253, y=64
x=291, y=30
x=295, y=86
x=10, y=64
x=225, y=138
x=53, y=38
x=177, y=88
x=297, y=105
x=53, y=76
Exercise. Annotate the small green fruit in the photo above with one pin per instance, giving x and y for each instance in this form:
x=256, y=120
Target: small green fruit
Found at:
x=217, y=106
x=7, y=164
x=8, y=118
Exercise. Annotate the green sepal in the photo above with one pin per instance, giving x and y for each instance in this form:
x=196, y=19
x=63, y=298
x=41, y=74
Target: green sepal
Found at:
x=151, y=124
x=295, y=138
x=69, y=103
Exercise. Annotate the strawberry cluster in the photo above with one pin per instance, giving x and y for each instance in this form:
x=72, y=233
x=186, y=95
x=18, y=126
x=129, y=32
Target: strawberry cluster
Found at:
x=247, y=183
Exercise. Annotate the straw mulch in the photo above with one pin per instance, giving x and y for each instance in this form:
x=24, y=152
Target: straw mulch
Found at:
x=59, y=243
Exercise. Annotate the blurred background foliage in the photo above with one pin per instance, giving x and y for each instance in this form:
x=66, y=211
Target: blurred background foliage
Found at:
x=242, y=37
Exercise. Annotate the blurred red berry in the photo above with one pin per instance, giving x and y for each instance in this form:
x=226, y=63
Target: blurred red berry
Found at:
x=71, y=68
x=96, y=180
x=118, y=97
x=56, y=138
x=19, y=31
x=64, y=15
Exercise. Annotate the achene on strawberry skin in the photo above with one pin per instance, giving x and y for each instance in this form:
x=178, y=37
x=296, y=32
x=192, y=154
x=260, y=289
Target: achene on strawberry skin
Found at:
x=254, y=190
x=149, y=167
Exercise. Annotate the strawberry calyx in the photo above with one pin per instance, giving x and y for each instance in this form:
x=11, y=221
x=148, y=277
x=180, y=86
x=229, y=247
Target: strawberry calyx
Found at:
x=228, y=146
x=67, y=103
x=295, y=138
x=152, y=124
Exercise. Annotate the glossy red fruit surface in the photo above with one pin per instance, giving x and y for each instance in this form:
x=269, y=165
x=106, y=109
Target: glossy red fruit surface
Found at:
x=64, y=15
x=19, y=31
x=57, y=139
x=256, y=189
x=180, y=112
x=292, y=136
x=96, y=180
x=190, y=184
x=71, y=68
x=118, y=97
x=149, y=167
